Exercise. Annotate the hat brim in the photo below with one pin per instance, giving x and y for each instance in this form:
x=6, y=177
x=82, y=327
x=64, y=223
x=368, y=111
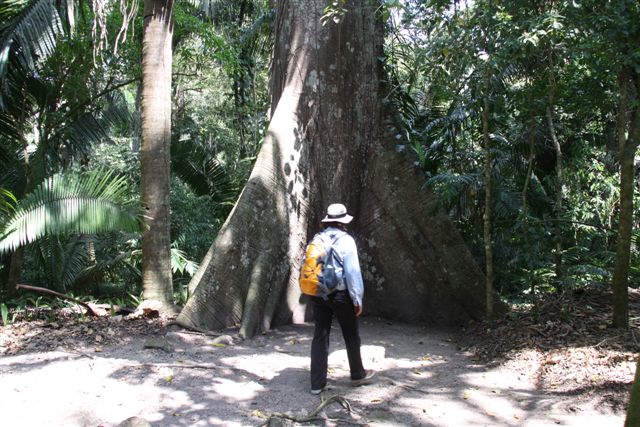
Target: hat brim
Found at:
x=343, y=219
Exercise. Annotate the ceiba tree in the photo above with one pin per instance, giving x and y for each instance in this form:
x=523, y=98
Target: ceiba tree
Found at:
x=331, y=139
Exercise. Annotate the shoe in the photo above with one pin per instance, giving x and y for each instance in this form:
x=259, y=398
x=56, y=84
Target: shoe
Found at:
x=368, y=374
x=317, y=391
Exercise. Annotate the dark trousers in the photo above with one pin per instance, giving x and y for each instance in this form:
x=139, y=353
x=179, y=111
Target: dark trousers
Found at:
x=339, y=303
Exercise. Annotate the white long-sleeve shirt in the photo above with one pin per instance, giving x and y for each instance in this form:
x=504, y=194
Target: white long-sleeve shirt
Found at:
x=345, y=246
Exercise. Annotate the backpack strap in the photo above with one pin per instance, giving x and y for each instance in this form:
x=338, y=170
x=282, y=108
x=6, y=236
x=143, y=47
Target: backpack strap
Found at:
x=326, y=238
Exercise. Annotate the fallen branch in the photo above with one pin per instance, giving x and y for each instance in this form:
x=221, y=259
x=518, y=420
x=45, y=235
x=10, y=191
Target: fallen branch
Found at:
x=605, y=340
x=170, y=365
x=57, y=295
x=403, y=385
x=193, y=329
x=313, y=415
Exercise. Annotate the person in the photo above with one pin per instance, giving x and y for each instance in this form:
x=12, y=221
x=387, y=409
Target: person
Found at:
x=345, y=302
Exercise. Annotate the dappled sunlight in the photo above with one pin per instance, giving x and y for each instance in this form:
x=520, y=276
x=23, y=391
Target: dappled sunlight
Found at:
x=422, y=379
x=236, y=390
x=373, y=357
x=118, y=392
x=265, y=366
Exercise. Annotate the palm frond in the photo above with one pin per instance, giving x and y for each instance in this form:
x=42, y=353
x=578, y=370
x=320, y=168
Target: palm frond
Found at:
x=457, y=192
x=222, y=188
x=60, y=261
x=7, y=202
x=98, y=271
x=181, y=264
x=256, y=38
x=28, y=35
x=78, y=137
x=203, y=174
x=66, y=204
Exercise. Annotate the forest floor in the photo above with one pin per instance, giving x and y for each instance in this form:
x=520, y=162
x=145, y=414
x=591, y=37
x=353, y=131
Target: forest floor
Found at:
x=563, y=366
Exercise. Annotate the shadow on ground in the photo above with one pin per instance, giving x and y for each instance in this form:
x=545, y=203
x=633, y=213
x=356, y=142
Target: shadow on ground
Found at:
x=423, y=379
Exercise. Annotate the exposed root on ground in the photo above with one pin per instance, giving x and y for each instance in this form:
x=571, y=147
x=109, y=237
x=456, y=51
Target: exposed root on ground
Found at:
x=272, y=418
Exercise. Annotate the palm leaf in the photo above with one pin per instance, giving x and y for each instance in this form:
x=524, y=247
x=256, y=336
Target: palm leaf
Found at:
x=66, y=204
x=204, y=175
x=60, y=261
x=181, y=264
x=27, y=35
x=7, y=201
x=457, y=192
x=98, y=271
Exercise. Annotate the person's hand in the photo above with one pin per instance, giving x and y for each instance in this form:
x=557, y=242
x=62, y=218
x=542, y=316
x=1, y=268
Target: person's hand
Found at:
x=358, y=309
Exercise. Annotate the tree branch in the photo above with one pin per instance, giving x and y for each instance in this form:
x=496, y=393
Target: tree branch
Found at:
x=58, y=295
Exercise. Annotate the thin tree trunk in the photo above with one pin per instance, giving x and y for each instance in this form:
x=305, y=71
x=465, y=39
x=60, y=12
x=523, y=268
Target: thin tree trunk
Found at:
x=559, y=190
x=487, y=216
x=16, y=260
x=155, y=151
x=559, y=172
x=628, y=82
x=330, y=139
x=525, y=204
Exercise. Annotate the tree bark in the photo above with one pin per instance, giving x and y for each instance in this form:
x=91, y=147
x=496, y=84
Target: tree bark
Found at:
x=16, y=261
x=628, y=81
x=531, y=139
x=557, y=208
x=633, y=413
x=155, y=151
x=331, y=140
x=487, y=216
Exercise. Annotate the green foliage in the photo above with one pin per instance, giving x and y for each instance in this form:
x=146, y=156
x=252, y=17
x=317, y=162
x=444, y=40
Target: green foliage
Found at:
x=27, y=36
x=557, y=55
x=334, y=12
x=4, y=312
x=92, y=203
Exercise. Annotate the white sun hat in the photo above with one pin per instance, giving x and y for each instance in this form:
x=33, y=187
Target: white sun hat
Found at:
x=337, y=212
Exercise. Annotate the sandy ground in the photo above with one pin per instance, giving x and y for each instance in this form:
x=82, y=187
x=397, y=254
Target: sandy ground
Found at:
x=424, y=378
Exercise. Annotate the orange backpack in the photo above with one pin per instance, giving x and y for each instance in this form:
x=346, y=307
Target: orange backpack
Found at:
x=321, y=270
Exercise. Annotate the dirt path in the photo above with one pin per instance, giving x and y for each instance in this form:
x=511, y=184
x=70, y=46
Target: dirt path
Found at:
x=424, y=379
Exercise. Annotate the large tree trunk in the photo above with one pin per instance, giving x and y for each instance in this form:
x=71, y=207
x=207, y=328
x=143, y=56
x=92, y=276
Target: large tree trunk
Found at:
x=330, y=140
x=629, y=86
x=633, y=412
x=155, y=152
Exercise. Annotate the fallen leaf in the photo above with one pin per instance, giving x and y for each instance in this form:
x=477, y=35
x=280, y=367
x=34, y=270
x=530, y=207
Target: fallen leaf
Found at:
x=258, y=413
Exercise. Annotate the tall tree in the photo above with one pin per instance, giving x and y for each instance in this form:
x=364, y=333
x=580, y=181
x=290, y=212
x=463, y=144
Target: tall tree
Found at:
x=331, y=139
x=629, y=140
x=614, y=30
x=155, y=152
